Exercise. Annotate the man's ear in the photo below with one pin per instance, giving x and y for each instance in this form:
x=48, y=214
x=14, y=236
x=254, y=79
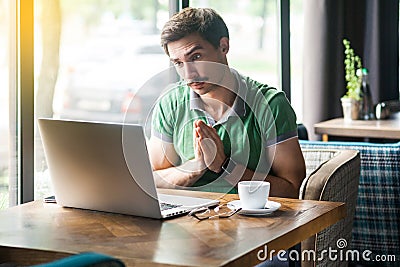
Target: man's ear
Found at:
x=224, y=45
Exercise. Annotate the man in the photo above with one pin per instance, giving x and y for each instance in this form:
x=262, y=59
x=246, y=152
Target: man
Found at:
x=217, y=127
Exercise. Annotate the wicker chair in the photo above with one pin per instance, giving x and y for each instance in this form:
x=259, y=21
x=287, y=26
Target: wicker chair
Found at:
x=376, y=221
x=332, y=175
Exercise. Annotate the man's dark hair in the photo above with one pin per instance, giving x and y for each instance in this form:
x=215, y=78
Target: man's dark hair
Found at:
x=204, y=21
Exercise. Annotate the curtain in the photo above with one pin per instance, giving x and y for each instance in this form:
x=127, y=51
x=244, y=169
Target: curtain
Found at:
x=372, y=27
x=381, y=51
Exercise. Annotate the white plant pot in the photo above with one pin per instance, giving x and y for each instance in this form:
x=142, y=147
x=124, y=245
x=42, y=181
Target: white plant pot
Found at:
x=351, y=109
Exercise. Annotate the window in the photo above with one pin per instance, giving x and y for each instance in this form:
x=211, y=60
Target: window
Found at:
x=296, y=56
x=8, y=177
x=91, y=58
x=4, y=102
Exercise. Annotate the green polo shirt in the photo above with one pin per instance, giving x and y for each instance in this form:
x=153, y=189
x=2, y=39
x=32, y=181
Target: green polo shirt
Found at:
x=261, y=116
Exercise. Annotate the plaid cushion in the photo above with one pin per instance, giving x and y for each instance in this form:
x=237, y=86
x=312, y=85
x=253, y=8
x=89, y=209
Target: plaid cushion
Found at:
x=376, y=222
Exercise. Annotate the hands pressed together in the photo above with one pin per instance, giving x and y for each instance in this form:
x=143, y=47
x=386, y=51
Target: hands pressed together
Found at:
x=208, y=148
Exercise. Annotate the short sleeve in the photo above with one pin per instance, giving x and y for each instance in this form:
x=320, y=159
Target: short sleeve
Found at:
x=162, y=120
x=277, y=118
x=284, y=117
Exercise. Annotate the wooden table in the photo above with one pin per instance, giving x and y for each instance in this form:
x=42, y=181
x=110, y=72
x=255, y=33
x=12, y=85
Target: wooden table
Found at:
x=37, y=232
x=386, y=129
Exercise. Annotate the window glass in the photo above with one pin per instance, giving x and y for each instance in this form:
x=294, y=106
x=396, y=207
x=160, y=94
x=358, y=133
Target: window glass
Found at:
x=91, y=58
x=8, y=181
x=253, y=32
x=296, y=56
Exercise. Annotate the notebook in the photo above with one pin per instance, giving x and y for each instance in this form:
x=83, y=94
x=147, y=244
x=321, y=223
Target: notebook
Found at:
x=106, y=167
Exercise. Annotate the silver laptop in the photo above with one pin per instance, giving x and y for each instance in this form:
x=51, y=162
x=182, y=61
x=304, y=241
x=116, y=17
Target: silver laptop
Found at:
x=106, y=167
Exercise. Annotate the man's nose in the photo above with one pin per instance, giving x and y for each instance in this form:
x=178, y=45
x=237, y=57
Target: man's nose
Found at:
x=189, y=70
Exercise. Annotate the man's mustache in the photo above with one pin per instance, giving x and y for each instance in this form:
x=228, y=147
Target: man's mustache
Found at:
x=197, y=80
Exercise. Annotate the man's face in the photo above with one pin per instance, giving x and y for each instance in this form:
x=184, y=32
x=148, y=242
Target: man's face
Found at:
x=199, y=63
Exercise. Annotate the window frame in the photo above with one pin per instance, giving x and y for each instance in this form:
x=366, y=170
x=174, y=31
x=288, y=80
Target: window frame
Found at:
x=284, y=44
x=25, y=99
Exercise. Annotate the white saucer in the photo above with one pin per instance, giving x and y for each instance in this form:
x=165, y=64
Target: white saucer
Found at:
x=270, y=207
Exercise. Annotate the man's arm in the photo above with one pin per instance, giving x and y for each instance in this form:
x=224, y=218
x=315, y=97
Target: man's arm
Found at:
x=167, y=174
x=287, y=170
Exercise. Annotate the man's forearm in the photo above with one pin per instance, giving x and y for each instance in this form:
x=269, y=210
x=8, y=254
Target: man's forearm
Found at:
x=179, y=176
x=182, y=176
x=280, y=187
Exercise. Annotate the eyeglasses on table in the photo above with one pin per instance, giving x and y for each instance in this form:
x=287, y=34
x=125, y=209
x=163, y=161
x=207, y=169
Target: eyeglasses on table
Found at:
x=221, y=211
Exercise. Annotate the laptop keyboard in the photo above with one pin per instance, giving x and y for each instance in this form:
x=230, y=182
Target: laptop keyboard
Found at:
x=167, y=206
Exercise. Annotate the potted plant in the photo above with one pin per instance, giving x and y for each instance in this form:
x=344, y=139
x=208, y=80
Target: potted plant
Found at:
x=351, y=100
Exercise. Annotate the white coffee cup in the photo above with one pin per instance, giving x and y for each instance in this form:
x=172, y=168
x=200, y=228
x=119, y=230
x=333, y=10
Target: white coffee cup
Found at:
x=253, y=194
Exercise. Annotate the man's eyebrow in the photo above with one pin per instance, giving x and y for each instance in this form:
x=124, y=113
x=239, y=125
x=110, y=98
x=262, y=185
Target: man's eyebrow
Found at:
x=193, y=49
